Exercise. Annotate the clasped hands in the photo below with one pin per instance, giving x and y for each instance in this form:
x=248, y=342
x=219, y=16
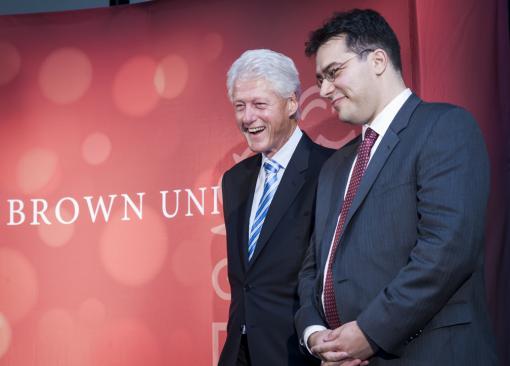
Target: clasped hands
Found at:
x=343, y=346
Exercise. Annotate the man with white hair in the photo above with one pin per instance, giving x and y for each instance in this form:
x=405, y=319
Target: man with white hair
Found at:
x=268, y=205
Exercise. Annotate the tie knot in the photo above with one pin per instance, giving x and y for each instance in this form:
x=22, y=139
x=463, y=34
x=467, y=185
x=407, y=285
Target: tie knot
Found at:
x=370, y=136
x=271, y=167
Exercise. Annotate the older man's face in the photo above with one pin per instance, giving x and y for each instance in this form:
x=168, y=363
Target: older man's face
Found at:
x=262, y=115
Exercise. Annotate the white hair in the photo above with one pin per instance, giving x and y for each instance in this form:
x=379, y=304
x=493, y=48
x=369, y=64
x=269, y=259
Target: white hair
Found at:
x=278, y=69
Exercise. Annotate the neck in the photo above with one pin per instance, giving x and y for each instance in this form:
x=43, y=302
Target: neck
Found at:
x=293, y=127
x=390, y=88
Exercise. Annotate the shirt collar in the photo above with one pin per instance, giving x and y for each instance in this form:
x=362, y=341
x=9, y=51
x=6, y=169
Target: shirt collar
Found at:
x=382, y=121
x=283, y=155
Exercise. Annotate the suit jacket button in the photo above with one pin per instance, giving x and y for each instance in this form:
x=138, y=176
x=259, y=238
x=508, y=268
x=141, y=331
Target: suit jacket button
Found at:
x=247, y=287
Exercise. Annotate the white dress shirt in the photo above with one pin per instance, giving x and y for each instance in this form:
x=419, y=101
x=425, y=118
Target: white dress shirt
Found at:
x=282, y=157
x=380, y=124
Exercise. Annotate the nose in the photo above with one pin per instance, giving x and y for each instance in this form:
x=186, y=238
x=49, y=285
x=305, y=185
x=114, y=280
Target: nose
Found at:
x=326, y=88
x=249, y=114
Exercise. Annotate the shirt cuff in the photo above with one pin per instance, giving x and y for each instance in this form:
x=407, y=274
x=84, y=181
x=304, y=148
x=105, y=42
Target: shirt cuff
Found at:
x=309, y=331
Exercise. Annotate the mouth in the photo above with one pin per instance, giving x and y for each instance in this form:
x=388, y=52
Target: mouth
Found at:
x=254, y=130
x=337, y=101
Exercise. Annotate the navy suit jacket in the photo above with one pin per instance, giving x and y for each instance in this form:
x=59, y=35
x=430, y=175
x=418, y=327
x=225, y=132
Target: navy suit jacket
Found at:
x=409, y=267
x=264, y=291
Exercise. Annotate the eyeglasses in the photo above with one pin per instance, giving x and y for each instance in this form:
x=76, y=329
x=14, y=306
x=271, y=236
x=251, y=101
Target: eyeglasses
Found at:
x=332, y=72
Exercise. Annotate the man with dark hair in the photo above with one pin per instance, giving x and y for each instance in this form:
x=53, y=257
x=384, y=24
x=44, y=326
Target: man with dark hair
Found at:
x=397, y=253
x=268, y=204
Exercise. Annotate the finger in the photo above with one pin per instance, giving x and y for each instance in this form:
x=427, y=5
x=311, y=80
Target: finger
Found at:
x=333, y=334
x=335, y=356
x=325, y=347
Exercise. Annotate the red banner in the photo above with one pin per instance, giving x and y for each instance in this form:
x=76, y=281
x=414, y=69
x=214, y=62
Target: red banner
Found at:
x=115, y=129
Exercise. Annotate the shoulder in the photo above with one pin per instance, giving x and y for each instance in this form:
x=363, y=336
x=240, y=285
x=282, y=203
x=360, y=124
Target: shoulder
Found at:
x=243, y=167
x=318, y=153
x=433, y=119
x=445, y=112
x=345, y=151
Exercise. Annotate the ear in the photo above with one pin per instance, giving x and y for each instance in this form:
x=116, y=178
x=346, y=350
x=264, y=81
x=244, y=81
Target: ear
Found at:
x=379, y=59
x=292, y=104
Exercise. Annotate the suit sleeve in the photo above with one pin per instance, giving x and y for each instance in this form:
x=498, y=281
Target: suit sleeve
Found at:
x=452, y=173
x=308, y=314
x=308, y=289
x=225, y=184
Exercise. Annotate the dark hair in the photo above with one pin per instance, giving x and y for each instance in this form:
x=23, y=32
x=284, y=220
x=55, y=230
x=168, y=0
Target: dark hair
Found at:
x=364, y=29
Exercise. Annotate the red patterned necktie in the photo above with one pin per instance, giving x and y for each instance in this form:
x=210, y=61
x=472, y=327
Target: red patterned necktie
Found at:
x=359, y=169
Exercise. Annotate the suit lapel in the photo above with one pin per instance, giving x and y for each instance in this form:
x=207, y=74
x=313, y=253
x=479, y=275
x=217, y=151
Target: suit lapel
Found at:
x=388, y=143
x=337, y=191
x=248, y=181
x=291, y=183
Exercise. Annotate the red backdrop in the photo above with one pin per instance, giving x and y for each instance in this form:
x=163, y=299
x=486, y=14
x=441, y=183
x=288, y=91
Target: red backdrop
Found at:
x=115, y=129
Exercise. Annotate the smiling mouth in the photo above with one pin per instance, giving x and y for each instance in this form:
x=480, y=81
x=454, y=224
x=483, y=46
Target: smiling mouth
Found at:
x=337, y=100
x=255, y=130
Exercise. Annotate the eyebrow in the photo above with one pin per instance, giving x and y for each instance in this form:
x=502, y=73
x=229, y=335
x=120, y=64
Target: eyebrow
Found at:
x=326, y=68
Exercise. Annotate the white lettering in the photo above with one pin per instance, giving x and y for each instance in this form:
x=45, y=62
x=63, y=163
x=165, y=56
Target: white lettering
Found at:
x=215, y=200
x=100, y=205
x=215, y=277
x=163, y=203
x=58, y=212
x=37, y=212
x=191, y=197
x=136, y=210
x=18, y=211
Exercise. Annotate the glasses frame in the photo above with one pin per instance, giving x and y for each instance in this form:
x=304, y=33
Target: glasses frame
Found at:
x=333, y=71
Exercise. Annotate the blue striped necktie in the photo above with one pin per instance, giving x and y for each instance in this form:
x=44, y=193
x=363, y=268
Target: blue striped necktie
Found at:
x=271, y=167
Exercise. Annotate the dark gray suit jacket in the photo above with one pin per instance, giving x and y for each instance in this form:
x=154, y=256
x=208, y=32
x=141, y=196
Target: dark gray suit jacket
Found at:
x=264, y=291
x=409, y=267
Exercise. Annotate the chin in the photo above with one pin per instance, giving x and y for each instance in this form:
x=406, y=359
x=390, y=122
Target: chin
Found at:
x=350, y=119
x=256, y=148
x=345, y=117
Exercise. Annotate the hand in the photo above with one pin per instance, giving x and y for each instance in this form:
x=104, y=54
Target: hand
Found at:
x=318, y=338
x=346, y=343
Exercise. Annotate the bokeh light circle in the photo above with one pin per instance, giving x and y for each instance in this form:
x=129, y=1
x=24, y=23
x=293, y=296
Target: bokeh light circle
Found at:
x=35, y=169
x=96, y=148
x=171, y=76
x=10, y=62
x=57, y=234
x=5, y=335
x=133, y=88
x=18, y=284
x=65, y=75
x=92, y=312
x=133, y=252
